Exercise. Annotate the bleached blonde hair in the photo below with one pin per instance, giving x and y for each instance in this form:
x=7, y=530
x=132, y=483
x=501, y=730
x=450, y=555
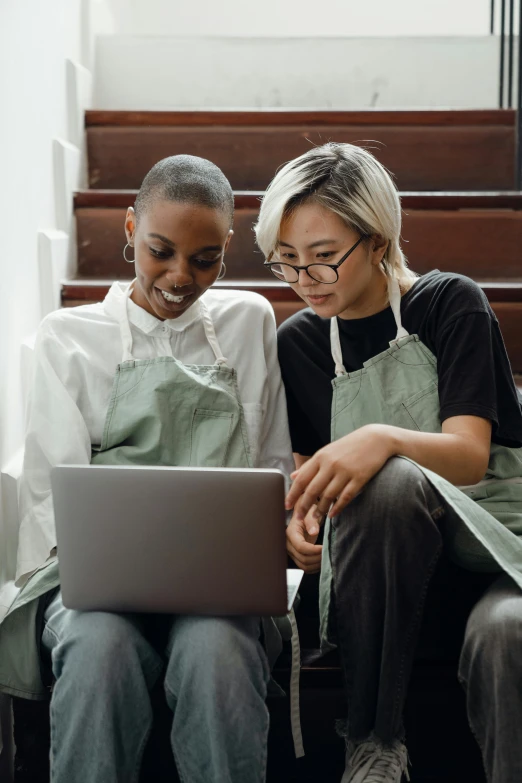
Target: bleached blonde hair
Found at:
x=347, y=180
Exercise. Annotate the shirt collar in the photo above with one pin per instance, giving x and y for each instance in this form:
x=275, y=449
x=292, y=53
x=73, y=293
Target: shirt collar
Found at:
x=140, y=318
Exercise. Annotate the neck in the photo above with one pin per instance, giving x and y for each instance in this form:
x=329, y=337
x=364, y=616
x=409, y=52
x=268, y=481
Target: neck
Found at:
x=374, y=299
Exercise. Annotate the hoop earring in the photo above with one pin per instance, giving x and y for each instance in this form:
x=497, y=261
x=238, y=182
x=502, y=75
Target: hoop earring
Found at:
x=128, y=260
x=222, y=272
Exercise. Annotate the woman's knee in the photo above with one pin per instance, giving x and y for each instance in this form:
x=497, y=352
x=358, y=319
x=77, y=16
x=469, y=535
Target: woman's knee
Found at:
x=102, y=645
x=400, y=483
x=216, y=650
x=493, y=637
x=397, y=501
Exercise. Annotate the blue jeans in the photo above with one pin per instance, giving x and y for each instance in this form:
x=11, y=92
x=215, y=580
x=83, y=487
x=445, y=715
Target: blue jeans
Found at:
x=105, y=665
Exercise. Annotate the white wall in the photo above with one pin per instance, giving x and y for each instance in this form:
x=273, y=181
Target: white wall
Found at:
x=43, y=46
x=35, y=40
x=161, y=72
x=302, y=18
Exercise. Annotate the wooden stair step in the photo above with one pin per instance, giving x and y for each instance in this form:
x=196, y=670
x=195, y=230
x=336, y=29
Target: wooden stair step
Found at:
x=410, y=199
x=477, y=234
x=425, y=150
x=505, y=299
x=273, y=116
x=89, y=290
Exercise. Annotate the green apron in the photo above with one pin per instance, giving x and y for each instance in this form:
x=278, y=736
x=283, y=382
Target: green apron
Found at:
x=400, y=387
x=161, y=412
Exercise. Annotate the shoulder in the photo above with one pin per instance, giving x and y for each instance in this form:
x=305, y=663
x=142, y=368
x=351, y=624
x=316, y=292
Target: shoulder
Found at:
x=304, y=322
x=236, y=305
x=235, y=298
x=73, y=325
x=301, y=328
x=457, y=294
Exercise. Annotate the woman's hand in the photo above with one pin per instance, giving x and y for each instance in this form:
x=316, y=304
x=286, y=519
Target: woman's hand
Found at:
x=336, y=474
x=301, y=546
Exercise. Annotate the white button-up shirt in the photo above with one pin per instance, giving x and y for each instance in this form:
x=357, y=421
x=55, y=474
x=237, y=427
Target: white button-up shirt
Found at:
x=76, y=355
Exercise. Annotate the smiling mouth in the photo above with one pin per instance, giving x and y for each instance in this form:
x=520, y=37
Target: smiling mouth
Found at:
x=173, y=298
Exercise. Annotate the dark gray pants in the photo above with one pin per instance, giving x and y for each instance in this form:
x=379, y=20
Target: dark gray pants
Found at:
x=385, y=548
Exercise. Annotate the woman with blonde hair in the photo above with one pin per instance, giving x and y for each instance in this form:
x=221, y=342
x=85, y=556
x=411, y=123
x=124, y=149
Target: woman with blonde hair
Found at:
x=407, y=433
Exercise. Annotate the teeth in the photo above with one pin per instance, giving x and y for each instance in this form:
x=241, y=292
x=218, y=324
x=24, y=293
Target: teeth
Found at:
x=172, y=298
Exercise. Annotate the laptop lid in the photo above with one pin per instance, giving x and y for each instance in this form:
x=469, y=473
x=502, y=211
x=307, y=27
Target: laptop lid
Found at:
x=169, y=539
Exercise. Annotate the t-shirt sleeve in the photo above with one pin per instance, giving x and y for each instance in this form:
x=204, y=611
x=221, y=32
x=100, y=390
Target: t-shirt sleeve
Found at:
x=475, y=377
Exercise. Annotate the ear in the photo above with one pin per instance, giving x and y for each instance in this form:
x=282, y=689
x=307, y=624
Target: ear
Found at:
x=379, y=247
x=229, y=237
x=130, y=225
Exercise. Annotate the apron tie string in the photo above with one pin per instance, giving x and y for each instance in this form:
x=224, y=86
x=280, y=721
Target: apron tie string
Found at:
x=295, y=672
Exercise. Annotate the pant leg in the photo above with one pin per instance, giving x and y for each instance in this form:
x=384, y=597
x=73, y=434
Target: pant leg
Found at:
x=491, y=672
x=101, y=714
x=216, y=681
x=384, y=549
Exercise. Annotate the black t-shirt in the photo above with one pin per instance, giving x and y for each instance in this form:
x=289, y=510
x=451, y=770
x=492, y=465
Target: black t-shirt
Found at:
x=452, y=317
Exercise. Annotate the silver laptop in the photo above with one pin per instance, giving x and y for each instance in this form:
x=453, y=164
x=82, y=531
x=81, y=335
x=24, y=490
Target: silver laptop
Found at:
x=178, y=540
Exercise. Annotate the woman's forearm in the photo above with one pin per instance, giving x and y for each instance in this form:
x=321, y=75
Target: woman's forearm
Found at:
x=459, y=456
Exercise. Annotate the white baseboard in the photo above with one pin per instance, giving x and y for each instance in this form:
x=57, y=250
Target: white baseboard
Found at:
x=54, y=265
x=79, y=97
x=66, y=177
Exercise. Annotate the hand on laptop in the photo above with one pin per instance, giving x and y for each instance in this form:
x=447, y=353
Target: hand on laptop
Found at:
x=301, y=546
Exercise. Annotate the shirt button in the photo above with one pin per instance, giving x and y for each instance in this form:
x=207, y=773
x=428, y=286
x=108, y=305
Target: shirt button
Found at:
x=165, y=329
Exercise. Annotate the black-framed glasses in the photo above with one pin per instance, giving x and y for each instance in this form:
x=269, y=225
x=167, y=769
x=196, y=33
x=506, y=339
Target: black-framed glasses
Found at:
x=321, y=273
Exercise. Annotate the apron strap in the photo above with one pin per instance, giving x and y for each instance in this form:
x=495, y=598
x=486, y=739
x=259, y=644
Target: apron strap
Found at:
x=295, y=714
x=335, y=343
x=394, y=295
x=126, y=334
x=210, y=332
x=123, y=321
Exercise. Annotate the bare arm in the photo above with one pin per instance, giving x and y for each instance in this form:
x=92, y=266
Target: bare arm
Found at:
x=459, y=454
x=338, y=472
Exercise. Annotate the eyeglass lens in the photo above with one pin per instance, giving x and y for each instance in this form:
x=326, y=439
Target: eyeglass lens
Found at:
x=322, y=273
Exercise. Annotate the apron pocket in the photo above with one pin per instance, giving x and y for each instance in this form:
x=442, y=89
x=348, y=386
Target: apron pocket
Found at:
x=209, y=438
x=423, y=408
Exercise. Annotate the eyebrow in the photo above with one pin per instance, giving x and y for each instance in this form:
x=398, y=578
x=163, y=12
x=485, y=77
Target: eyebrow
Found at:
x=169, y=242
x=314, y=244
x=163, y=239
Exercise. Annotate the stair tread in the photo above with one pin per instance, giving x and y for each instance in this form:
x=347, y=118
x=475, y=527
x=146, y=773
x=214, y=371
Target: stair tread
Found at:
x=120, y=198
x=284, y=116
x=505, y=290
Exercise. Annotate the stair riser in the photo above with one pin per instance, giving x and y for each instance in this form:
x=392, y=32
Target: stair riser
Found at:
x=481, y=244
x=420, y=157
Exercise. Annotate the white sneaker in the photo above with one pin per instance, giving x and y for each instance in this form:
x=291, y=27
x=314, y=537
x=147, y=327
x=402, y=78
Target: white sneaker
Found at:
x=370, y=762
